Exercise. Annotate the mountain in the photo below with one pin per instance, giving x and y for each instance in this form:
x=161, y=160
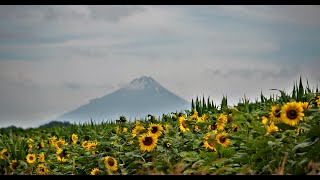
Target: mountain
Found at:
x=142, y=96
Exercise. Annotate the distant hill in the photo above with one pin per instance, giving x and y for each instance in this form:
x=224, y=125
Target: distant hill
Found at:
x=142, y=96
x=52, y=124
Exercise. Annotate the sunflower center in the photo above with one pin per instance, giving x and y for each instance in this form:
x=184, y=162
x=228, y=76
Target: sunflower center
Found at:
x=154, y=130
x=292, y=114
x=235, y=129
x=222, y=139
x=277, y=113
x=31, y=158
x=110, y=162
x=184, y=124
x=211, y=144
x=147, y=141
x=14, y=165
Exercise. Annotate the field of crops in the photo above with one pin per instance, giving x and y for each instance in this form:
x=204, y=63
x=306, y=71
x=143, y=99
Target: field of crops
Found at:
x=270, y=135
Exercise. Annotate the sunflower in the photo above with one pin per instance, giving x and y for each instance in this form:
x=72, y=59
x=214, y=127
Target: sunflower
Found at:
x=74, y=138
x=221, y=139
x=61, y=159
x=208, y=135
x=212, y=127
x=52, y=140
x=95, y=171
x=42, y=169
x=60, y=143
x=148, y=142
x=42, y=144
x=291, y=113
x=13, y=165
x=304, y=105
x=210, y=145
x=275, y=113
x=234, y=128
x=264, y=120
x=272, y=128
x=30, y=141
x=92, y=145
x=199, y=119
x=59, y=151
x=110, y=163
x=223, y=118
x=124, y=130
x=30, y=146
x=318, y=101
x=166, y=127
x=41, y=157
x=85, y=144
x=136, y=130
x=182, y=124
x=31, y=158
x=220, y=126
x=168, y=145
x=155, y=129
x=194, y=115
x=3, y=153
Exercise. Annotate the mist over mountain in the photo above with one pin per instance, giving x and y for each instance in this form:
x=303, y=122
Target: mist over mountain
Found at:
x=142, y=96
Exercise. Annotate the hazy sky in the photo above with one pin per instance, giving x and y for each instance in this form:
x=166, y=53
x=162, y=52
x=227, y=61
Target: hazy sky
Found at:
x=54, y=59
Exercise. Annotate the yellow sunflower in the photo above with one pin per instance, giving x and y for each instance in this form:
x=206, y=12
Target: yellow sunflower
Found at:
x=31, y=158
x=291, y=113
x=42, y=144
x=85, y=144
x=220, y=126
x=30, y=141
x=3, y=153
x=95, y=171
x=74, y=138
x=194, y=115
x=42, y=169
x=199, y=119
x=166, y=127
x=210, y=145
x=59, y=151
x=13, y=165
x=182, y=124
x=272, y=128
x=318, y=101
x=41, y=157
x=155, y=129
x=234, y=128
x=136, y=130
x=92, y=145
x=52, y=140
x=124, y=130
x=148, y=142
x=222, y=139
x=110, y=163
x=275, y=113
x=304, y=105
x=264, y=120
x=212, y=127
x=61, y=159
x=223, y=118
x=60, y=143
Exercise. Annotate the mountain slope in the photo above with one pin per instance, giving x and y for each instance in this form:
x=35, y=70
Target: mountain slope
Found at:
x=140, y=97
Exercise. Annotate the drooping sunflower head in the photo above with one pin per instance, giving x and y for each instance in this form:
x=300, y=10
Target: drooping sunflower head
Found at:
x=148, y=142
x=209, y=144
x=74, y=138
x=42, y=169
x=194, y=115
x=110, y=163
x=4, y=153
x=31, y=158
x=291, y=113
x=272, y=128
x=222, y=139
x=95, y=171
x=136, y=130
x=275, y=113
x=41, y=157
x=13, y=165
x=155, y=129
x=182, y=124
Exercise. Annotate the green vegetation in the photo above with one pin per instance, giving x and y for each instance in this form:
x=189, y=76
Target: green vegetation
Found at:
x=276, y=135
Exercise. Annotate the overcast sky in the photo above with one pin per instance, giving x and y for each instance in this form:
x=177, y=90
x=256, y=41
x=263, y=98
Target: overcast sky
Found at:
x=54, y=59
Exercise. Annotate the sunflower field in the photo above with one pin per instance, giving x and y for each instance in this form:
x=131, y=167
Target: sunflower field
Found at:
x=279, y=135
